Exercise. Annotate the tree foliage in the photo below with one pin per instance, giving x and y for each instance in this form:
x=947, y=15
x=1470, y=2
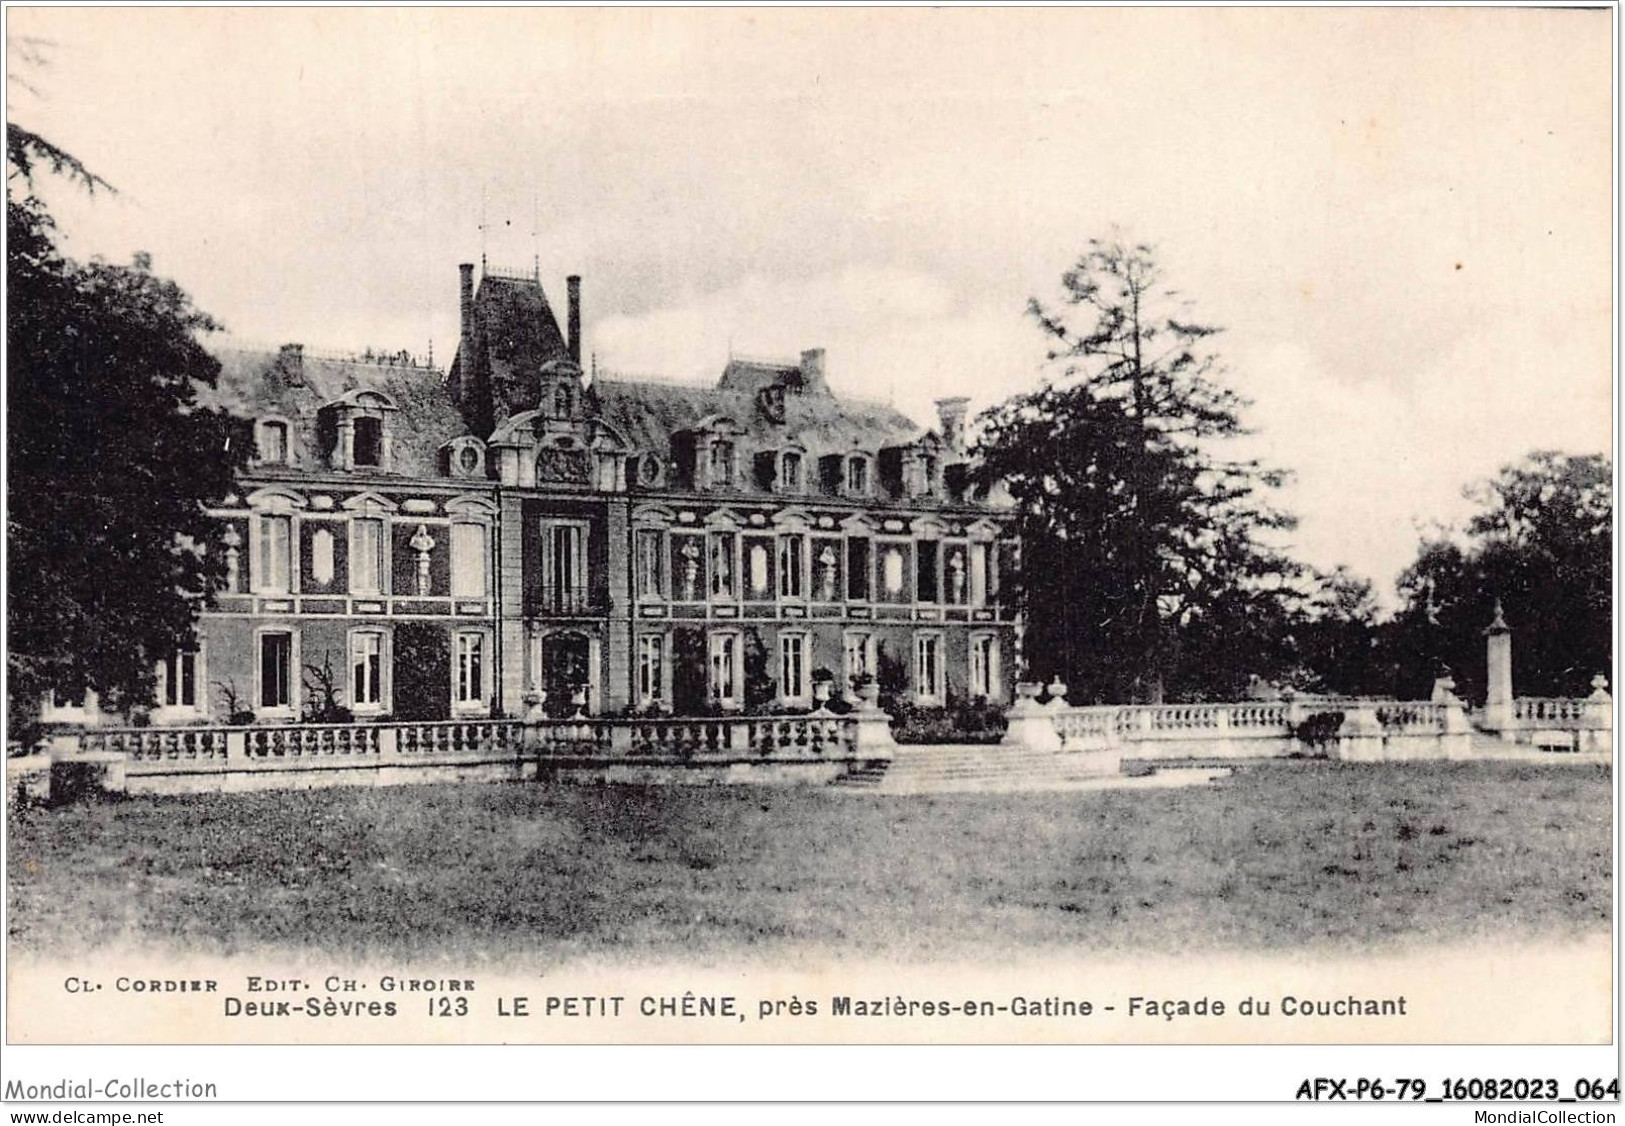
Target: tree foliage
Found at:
x=112, y=462
x=1541, y=544
x=1145, y=558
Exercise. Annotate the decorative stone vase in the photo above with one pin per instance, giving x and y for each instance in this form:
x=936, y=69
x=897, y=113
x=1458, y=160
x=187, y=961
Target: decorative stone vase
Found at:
x=1057, y=690
x=821, y=692
x=1027, y=691
x=869, y=695
x=534, y=699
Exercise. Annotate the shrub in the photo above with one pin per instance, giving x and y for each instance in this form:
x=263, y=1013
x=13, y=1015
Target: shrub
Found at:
x=1318, y=730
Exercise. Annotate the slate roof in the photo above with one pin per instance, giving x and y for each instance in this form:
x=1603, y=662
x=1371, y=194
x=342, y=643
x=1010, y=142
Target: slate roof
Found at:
x=255, y=383
x=651, y=414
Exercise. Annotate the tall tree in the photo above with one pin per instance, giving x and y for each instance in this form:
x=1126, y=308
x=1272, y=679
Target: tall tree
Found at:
x=112, y=462
x=1540, y=543
x=1145, y=546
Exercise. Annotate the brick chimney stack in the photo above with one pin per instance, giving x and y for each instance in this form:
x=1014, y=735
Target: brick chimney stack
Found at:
x=951, y=419
x=812, y=372
x=573, y=332
x=291, y=362
x=466, y=311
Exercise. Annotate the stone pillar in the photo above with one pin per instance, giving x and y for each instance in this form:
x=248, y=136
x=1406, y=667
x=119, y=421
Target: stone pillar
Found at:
x=1498, y=675
x=1359, y=739
x=1455, y=739
x=1031, y=724
x=874, y=725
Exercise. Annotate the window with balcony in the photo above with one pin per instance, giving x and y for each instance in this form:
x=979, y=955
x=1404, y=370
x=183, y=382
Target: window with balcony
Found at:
x=564, y=567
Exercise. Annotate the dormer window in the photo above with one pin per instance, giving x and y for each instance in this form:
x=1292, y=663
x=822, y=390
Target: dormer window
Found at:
x=369, y=442
x=271, y=443
x=561, y=401
x=355, y=429
x=790, y=472
x=857, y=476
x=929, y=483
x=722, y=463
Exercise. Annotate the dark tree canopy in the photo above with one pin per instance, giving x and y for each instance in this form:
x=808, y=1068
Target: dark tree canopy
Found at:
x=112, y=463
x=1541, y=543
x=1145, y=558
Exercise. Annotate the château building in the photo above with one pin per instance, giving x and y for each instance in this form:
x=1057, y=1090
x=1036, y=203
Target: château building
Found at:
x=511, y=538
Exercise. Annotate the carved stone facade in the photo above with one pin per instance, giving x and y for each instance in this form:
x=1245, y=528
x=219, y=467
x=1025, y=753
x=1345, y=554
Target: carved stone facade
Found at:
x=511, y=538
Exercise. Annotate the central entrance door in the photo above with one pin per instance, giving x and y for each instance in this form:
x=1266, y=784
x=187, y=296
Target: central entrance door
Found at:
x=567, y=674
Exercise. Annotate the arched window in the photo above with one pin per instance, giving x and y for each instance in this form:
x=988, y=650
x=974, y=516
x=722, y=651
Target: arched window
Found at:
x=561, y=402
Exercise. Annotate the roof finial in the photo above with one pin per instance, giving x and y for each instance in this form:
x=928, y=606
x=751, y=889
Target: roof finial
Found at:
x=1499, y=624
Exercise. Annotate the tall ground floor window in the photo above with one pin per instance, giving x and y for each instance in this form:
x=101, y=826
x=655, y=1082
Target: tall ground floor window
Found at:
x=179, y=681
x=793, y=687
x=984, y=666
x=366, y=671
x=928, y=667
x=725, y=671
x=651, y=670
x=860, y=657
x=276, y=671
x=468, y=679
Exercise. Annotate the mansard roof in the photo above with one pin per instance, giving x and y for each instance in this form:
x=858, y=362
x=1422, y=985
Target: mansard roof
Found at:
x=296, y=384
x=651, y=414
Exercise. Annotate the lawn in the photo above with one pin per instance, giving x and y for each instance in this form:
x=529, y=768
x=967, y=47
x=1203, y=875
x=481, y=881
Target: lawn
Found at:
x=1336, y=856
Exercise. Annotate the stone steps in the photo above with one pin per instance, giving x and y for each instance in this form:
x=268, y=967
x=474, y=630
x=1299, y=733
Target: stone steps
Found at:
x=931, y=769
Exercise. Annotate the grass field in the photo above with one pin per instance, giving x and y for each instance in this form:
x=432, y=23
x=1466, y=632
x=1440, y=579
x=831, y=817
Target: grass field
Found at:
x=1336, y=856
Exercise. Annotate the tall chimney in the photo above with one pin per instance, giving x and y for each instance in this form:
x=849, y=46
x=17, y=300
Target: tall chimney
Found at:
x=951, y=416
x=812, y=372
x=573, y=339
x=291, y=361
x=466, y=311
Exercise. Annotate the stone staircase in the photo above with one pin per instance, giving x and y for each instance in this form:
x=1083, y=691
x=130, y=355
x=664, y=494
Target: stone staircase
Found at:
x=992, y=769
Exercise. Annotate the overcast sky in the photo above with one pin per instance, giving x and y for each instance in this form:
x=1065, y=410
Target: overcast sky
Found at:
x=1402, y=217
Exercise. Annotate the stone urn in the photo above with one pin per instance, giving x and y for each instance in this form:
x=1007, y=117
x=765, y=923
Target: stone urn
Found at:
x=1027, y=691
x=1057, y=691
x=534, y=701
x=821, y=693
x=869, y=695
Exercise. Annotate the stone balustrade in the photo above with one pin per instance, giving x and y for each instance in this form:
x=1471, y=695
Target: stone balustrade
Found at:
x=1559, y=711
x=174, y=759
x=1250, y=729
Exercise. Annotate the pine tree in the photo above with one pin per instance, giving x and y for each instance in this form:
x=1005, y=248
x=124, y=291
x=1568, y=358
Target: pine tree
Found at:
x=1145, y=549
